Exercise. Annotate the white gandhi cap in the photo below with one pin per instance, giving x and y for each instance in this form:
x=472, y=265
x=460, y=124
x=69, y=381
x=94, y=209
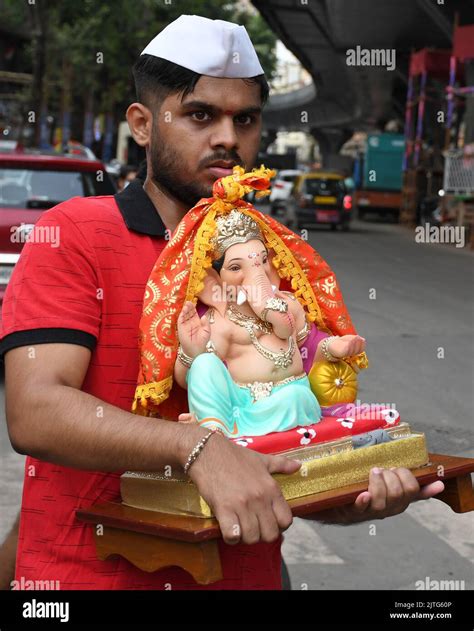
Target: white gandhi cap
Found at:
x=210, y=47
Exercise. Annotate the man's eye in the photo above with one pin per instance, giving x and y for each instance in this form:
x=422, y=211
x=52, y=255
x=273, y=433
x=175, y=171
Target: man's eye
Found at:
x=245, y=119
x=199, y=116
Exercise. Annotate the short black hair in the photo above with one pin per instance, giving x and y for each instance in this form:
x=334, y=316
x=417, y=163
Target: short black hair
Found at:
x=127, y=169
x=157, y=78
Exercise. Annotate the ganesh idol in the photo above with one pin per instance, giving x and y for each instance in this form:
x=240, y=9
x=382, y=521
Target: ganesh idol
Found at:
x=244, y=329
x=241, y=362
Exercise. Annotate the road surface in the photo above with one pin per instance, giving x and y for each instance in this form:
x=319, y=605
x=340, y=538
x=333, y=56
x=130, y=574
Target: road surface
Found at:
x=423, y=309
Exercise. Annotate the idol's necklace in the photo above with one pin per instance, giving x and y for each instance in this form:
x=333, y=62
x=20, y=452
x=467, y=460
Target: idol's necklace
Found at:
x=250, y=323
x=245, y=320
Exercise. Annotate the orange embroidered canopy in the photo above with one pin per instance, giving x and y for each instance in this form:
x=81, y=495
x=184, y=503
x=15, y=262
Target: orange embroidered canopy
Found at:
x=178, y=276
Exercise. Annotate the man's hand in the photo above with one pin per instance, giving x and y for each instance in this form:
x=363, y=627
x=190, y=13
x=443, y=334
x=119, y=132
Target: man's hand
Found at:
x=246, y=500
x=390, y=493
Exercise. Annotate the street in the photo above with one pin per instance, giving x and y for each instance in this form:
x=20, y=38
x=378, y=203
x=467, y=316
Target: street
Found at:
x=420, y=347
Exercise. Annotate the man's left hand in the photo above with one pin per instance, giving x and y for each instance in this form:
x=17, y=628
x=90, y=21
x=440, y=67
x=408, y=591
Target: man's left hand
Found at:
x=390, y=493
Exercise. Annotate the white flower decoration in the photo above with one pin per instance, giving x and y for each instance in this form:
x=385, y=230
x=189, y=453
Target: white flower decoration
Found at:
x=390, y=416
x=243, y=442
x=346, y=422
x=307, y=435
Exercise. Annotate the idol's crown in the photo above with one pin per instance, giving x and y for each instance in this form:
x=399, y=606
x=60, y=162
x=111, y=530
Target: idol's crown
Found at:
x=234, y=227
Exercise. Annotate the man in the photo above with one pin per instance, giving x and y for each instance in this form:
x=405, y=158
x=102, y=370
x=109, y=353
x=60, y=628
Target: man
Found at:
x=70, y=325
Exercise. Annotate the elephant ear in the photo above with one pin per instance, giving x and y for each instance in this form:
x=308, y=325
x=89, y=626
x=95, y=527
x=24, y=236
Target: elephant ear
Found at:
x=212, y=294
x=274, y=276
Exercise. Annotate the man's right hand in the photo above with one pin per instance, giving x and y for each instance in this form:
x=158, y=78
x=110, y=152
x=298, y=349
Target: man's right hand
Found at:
x=237, y=485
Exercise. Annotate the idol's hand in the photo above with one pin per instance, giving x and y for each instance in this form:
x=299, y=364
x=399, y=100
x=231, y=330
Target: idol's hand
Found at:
x=347, y=346
x=193, y=332
x=237, y=485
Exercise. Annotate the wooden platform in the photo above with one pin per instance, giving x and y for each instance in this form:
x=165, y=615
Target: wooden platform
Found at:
x=152, y=540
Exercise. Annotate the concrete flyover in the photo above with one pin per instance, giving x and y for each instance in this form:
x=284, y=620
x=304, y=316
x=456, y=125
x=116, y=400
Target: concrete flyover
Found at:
x=346, y=97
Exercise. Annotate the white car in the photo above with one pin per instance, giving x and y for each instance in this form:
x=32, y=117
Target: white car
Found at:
x=282, y=187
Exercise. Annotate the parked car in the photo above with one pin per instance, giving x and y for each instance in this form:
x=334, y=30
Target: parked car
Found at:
x=30, y=183
x=281, y=189
x=320, y=197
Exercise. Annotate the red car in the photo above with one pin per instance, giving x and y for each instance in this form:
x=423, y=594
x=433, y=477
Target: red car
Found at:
x=32, y=182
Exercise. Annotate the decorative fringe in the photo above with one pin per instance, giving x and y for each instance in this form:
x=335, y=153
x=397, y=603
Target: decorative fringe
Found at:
x=155, y=392
x=201, y=260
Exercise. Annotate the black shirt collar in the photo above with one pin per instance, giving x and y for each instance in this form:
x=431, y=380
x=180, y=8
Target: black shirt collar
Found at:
x=138, y=210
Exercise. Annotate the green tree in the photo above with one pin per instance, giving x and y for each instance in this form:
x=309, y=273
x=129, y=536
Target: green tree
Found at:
x=83, y=52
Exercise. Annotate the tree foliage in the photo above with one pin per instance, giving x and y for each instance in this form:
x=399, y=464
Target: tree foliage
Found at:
x=90, y=47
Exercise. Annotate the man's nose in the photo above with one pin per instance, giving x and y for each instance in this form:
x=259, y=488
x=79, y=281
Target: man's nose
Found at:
x=223, y=134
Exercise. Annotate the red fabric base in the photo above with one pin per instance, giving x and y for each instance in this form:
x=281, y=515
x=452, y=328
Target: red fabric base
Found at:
x=328, y=428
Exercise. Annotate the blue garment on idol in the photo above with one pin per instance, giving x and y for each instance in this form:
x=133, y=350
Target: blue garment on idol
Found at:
x=213, y=393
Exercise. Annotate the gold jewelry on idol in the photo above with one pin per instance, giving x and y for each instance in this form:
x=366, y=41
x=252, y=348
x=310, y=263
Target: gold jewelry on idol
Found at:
x=186, y=360
x=274, y=304
x=244, y=320
x=211, y=316
x=261, y=389
x=303, y=334
x=211, y=347
x=280, y=359
x=325, y=349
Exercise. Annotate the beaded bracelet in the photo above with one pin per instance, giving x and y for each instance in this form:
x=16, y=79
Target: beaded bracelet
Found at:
x=197, y=449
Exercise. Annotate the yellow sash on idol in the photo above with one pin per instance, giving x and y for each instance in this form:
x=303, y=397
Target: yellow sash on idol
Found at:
x=178, y=276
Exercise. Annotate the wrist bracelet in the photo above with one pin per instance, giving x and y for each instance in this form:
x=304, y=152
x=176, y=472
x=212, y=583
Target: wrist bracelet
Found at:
x=197, y=449
x=183, y=358
x=274, y=304
x=303, y=334
x=325, y=350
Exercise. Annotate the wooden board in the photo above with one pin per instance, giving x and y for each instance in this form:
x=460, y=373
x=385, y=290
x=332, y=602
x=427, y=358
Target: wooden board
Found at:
x=455, y=474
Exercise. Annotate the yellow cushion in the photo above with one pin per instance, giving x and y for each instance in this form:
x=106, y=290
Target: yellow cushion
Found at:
x=333, y=382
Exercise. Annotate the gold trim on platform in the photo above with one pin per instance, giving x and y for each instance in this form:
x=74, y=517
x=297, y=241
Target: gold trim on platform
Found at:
x=326, y=466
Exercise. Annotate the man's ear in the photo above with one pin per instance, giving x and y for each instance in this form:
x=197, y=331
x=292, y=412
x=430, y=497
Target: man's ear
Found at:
x=140, y=122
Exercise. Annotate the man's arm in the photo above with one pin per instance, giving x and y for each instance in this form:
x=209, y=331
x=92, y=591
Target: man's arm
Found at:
x=51, y=419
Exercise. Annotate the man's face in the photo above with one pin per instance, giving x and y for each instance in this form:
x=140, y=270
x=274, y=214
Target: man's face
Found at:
x=220, y=121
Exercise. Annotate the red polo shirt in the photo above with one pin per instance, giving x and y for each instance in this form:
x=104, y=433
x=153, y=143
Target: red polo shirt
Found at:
x=82, y=282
